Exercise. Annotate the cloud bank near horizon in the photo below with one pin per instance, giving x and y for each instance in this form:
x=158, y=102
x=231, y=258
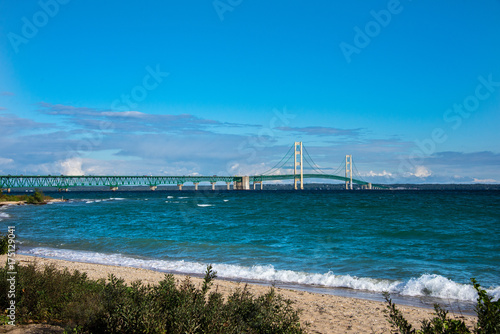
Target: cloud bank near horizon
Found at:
x=88, y=141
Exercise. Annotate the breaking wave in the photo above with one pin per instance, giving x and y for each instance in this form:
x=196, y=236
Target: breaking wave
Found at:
x=426, y=285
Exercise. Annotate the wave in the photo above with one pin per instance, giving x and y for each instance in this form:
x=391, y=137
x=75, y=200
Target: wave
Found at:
x=97, y=200
x=204, y=205
x=426, y=285
x=4, y=215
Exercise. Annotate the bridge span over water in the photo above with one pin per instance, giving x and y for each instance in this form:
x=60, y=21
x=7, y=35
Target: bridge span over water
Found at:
x=64, y=182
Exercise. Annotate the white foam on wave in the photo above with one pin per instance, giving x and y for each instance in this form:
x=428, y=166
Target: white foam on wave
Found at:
x=89, y=201
x=4, y=215
x=426, y=285
x=204, y=205
x=170, y=196
x=226, y=200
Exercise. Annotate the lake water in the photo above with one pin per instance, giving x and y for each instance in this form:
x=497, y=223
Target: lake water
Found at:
x=414, y=244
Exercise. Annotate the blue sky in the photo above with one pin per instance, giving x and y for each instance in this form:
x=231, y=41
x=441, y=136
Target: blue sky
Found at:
x=410, y=88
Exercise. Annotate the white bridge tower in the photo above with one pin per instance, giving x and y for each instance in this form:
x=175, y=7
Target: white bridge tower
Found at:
x=348, y=171
x=298, y=163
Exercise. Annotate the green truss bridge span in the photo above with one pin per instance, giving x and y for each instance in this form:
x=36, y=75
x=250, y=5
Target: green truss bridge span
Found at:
x=280, y=172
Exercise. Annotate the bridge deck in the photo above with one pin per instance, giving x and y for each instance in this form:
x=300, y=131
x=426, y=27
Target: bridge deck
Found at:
x=63, y=181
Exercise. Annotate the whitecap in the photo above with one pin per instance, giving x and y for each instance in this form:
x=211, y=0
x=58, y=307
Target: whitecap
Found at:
x=425, y=285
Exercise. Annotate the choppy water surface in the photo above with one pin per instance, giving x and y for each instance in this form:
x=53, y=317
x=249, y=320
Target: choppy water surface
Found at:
x=420, y=243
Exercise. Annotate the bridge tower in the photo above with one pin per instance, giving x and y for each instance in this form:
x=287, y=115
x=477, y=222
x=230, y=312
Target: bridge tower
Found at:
x=348, y=171
x=297, y=163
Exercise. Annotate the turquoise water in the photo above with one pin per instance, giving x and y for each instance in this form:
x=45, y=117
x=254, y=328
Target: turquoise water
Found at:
x=411, y=243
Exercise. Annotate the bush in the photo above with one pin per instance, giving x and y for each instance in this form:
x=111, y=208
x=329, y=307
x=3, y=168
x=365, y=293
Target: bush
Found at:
x=488, y=314
x=37, y=198
x=4, y=244
x=73, y=301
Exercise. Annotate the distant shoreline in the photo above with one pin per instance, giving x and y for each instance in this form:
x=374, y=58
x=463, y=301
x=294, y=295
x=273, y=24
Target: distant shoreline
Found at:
x=278, y=187
x=25, y=202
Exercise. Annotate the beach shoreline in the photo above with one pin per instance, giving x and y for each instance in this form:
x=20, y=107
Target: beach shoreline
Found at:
x=325, y=313
x=55, y=200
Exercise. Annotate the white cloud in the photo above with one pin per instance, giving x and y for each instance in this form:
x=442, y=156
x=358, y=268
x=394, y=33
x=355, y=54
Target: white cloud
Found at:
x=484, y=181
x=384, y=173
x=123, y=114
x=422, y=171
x=72, y=166
x=5, y=161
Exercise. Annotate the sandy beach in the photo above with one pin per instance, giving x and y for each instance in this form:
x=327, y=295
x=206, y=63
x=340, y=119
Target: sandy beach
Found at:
x=55, y=200
x=324, y=313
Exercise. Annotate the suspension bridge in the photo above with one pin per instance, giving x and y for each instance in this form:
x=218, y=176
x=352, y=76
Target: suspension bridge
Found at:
x=283, y=170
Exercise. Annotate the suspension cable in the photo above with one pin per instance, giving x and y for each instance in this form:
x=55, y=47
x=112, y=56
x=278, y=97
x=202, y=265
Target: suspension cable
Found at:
x=317, y=168
x=278, y=164
x=356, y=172
x=339, y=168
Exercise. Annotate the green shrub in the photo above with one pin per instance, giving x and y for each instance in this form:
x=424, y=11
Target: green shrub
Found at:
x=4, y=244
x=37, y=198
x=488, y=314
x=73, y=301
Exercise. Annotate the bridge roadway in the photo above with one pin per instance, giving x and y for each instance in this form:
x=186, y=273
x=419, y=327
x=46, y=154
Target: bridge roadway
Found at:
x=64, y=182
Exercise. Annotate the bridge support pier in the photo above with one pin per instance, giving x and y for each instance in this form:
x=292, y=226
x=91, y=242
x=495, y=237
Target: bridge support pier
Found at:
x=113, y=188
x=257, y=182
x=244, y=184
x=213, y=185
x=228, y=184
x=153, y=188
x=196, y=185
x=180, y=186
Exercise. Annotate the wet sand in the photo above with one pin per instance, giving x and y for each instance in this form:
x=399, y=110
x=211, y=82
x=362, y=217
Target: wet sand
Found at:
x=324, y=313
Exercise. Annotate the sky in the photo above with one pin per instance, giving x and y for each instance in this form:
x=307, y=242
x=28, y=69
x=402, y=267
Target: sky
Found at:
x=409, y=88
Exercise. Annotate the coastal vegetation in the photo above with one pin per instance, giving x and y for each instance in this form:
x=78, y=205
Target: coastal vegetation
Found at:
x=4, y=244
x=37, y=197
x=80, y=305
x=488, y=314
